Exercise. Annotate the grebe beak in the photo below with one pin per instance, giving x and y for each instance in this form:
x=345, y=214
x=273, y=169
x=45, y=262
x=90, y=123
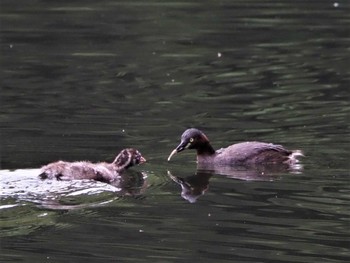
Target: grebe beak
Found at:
x=182, y=146
x=171, y=155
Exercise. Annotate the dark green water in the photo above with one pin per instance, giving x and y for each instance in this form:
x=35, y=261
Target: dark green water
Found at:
x=83, y=79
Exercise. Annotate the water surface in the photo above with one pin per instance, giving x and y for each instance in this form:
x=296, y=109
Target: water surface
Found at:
x=81, y=80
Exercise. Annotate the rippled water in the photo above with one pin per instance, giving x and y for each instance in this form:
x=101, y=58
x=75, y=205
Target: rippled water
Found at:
x=82, y=80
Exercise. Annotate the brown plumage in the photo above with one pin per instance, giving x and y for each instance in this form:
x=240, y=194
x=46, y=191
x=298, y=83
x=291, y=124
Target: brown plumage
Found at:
x=240, y=154
x=105, y=172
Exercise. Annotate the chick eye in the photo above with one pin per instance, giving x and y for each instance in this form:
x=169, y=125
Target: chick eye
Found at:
x=191, y=140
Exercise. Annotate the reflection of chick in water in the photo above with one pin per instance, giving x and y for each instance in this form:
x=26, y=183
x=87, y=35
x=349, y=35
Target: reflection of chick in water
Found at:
x=193, y=186
x=131, y=183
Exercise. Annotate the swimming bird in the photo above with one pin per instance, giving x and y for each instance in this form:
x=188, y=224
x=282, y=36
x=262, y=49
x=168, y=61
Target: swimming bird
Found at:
x=105, y=172
x=250, y=153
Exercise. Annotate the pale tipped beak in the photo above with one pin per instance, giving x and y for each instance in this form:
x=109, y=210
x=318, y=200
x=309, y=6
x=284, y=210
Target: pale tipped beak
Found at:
x=182, y=146
x=171, y=155
x=142, y=160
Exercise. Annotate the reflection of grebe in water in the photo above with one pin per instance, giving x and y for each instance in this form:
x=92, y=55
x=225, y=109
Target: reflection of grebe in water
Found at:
x=104, y=172
x=193, y=186
x=196, y=185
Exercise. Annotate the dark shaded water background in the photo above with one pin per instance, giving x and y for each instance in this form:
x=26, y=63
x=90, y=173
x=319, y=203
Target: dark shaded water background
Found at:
x=84, y=79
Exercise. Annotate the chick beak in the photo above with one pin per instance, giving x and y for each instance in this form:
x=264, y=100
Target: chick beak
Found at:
x=142, y=160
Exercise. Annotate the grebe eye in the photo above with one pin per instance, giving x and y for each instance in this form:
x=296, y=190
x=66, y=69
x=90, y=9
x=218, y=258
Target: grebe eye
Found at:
x=191, y=140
